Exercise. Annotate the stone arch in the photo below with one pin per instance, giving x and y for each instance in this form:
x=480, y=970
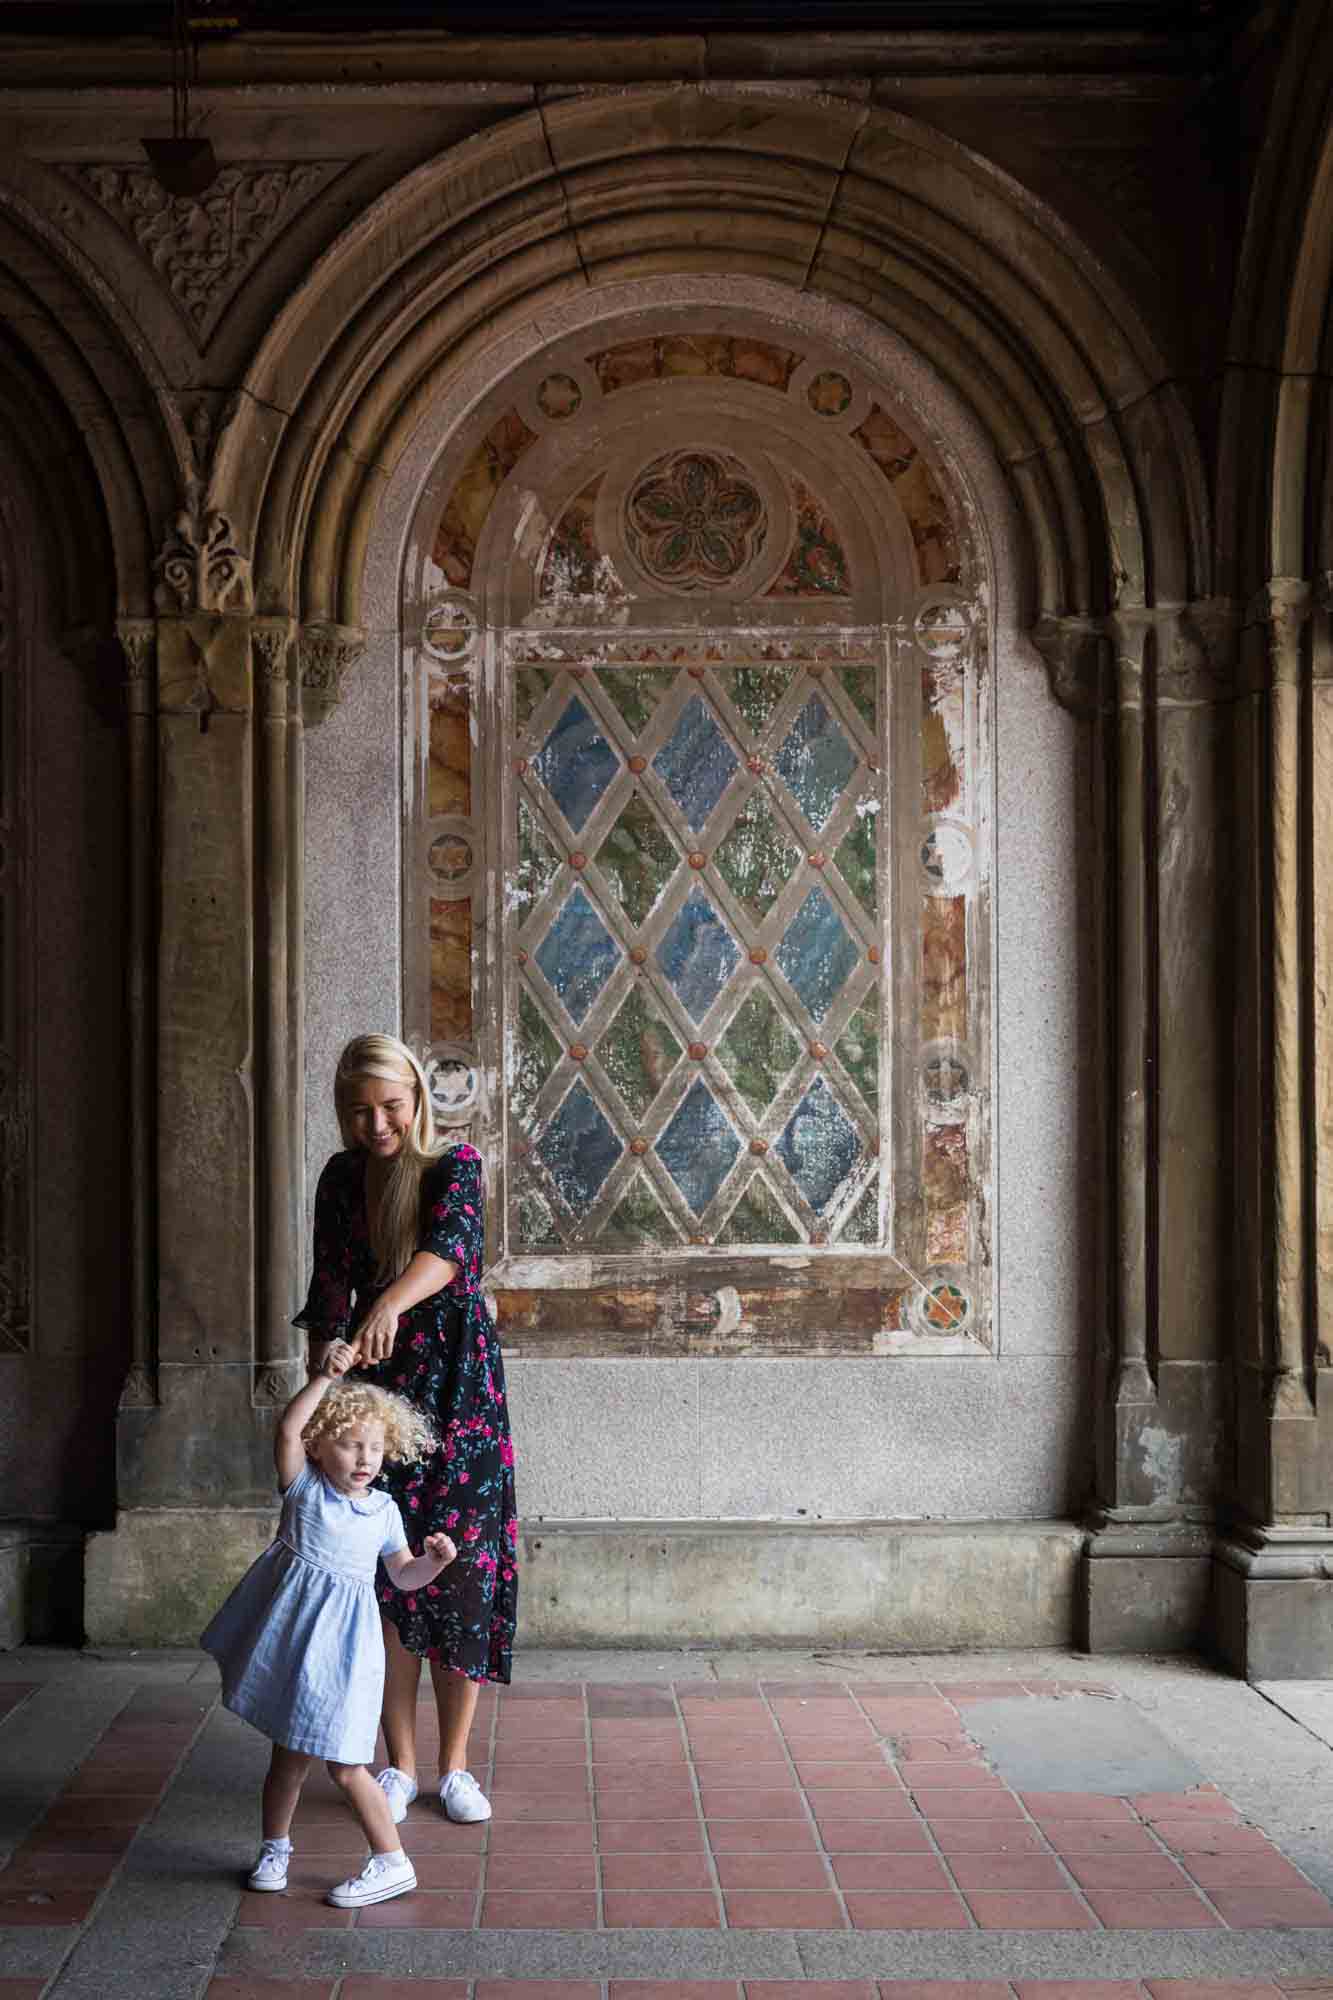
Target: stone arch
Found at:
x=101, y=372
x=826, y=198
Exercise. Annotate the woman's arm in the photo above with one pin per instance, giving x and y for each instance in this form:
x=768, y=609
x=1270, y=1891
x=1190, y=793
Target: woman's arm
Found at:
x=424, y=1276
x=288, y=1450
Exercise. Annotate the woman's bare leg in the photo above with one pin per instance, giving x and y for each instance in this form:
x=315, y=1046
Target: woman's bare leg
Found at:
x=402, y=1672
x=456, y=1700
x=282, y=1789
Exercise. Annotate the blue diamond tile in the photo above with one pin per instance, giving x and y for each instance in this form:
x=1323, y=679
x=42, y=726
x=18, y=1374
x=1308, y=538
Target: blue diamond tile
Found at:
x=697, y=763
x=819, y=1145
x=815, y=762
x=579, y=1149
x=698, y=955
x=578, y=955
x=698, y=1148
x=816, y=954
x=576, y=764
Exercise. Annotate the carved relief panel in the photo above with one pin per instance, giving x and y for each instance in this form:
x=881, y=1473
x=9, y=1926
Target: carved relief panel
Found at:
x=700, y=861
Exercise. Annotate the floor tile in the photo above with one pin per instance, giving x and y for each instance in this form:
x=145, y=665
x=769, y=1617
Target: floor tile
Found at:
x=1151, y=1910
x=1075, y=1805
x=56, y=1907
x=737, y=1802
x=1029, y=1910
x=538, y=1989
x=538, y=1871
x=674, y=1989
x=759, y=1836
x=656, y=1871
x=1180, y=1805
x=372, y=1987
x=891, y=1871
x=908, y=1911
x=1078, y=1989
x=460, y=1873
x=522, y=1909
x=1212, y=1989
x=423, y=1910
x=1126, y=1871
x=872, y=1771
x=1252, y=1869
x=944, y=1804
x=262, y=1989
x=661, y=1910
x=937, y=1749
x=647, y=1802
x=879, y=1836
x=57, y=1871
x=955, y=1774
x=519, y=1836
x=772, y=1871
x=1273, y=1909
x=1092, y=1836
x=291, y=1913
x=871, y=1802
x=990, y=1836
x=788, y=1910
x=1205, y=1835
x=944, y=1989
x=713, y=1772
x=650, y=1836
x=1007, y=1871
x=808, y=1989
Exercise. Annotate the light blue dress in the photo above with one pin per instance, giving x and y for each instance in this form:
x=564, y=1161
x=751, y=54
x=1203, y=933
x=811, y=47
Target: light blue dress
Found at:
x=299, y=1639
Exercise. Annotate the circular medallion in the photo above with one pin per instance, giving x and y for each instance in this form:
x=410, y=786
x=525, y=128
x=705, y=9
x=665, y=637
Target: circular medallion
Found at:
x=450, y=857
x=942, y=1304
x=449, y=630
x=946, y=1083
x=942, y=629
x=558, y=397
x=946, y=857
x=829, y=393
x=694, y=521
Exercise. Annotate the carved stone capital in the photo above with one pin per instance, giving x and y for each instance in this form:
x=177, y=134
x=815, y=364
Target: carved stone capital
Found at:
x=1283, y=608
x=1074, y=650
x=138, y=644
x=271, y=640
x=1197, y=662
x=277, y=1382
x=326, y=651
x=138, y=1392
x=202, y=567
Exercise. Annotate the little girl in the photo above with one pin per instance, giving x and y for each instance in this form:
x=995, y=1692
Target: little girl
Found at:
x=299, y=1640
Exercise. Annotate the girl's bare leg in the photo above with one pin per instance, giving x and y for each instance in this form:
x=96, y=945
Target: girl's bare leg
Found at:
x=456, y=1700
x=402, y=1672
x=368, y=1802
x=282, y=1788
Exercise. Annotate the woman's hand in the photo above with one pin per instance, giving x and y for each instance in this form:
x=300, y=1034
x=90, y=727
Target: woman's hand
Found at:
x=375, y=1335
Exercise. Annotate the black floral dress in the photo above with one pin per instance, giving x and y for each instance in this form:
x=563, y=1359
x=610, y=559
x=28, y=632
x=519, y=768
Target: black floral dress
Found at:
x=446, y=1360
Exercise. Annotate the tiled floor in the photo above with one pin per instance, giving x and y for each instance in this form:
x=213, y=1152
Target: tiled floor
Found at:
x=663, y=1840
x=788, y=1806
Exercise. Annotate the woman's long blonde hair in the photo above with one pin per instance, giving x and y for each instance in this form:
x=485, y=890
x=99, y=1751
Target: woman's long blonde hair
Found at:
x=397, y=1226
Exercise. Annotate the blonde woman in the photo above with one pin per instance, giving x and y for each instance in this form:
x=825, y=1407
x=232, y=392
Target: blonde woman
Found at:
x=399, y=1225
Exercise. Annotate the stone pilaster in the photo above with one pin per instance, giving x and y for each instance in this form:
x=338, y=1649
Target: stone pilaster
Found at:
x=1275, y=1572
x=210, y=739
x=1156, y=684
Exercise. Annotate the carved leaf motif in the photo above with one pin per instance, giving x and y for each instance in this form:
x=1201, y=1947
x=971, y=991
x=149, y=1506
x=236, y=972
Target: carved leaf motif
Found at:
x=202, y=247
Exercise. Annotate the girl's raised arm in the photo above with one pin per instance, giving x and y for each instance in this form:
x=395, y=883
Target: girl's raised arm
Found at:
x=288, y=1450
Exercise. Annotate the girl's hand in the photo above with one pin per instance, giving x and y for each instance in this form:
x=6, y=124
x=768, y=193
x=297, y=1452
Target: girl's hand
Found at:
x=440, y=1548
x=375, y=1335
x=339, y=1356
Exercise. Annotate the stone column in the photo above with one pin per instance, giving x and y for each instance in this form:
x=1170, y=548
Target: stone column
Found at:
x=1275, y=1573
x=138, y=639
x=195, y=1473
x=1155, y=685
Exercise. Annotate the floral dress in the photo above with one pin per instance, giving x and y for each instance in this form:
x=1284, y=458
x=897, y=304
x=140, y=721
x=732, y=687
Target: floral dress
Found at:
x=446, y=1360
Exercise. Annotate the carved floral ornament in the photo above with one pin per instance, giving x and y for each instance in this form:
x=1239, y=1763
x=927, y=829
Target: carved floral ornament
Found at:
x=326, y=652
x=202, y=247
x=694, y=521
x=201, y=567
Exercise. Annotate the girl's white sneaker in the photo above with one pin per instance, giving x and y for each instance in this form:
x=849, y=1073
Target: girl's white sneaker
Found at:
x=270, y=1871
x=384, y=1876
x=398, y=1789
x=463, y=1799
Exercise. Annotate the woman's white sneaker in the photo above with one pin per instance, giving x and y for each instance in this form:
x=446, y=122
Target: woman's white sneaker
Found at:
x=383, y=1876
x=398, y=1789
x=463, y=1799
x=270, y=1871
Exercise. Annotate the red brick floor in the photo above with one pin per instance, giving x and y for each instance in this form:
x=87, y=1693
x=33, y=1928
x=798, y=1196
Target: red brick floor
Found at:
x=366, y=1986
x=791, y=1807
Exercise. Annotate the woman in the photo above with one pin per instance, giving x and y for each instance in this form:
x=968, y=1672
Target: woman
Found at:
x=399, y=1226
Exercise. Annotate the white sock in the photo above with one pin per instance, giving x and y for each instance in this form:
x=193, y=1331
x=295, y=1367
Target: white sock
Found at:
x=283, y=1846
x=390, y=1854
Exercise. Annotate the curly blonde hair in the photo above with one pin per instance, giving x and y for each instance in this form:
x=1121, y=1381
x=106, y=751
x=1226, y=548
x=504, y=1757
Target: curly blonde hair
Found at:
x=407, y=1435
